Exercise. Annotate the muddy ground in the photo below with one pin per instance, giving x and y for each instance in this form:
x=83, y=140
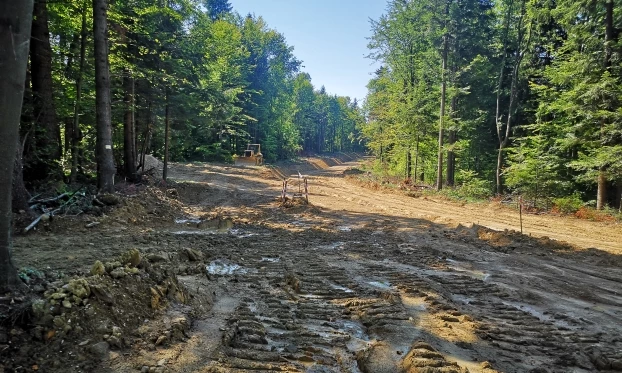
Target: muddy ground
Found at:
x=359, y=280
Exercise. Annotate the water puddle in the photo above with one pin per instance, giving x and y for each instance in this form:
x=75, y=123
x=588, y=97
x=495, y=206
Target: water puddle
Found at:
x=239, y=233
x=333, y=246
x=456, y=266
x=528, y=309
x=195, y=233
x=342, y=288
x=344, y=229
x=271, y=260
x=224, y=268
x=380, y=284
x=188, y=220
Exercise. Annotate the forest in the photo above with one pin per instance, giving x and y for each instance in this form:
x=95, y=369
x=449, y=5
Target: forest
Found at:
x=502, y=96
x=356, y=248
x=184, y=80
x=491, y=97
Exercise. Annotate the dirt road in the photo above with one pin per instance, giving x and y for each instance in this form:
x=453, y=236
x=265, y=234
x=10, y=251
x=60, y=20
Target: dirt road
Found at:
x=370, y=281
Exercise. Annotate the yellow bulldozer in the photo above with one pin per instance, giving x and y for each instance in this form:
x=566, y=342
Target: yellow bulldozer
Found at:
x=252, y=156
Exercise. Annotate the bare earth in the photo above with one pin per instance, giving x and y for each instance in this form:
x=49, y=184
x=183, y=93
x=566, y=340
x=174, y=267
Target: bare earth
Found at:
x=365, y=280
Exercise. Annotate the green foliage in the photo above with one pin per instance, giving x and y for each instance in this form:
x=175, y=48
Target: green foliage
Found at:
x=472, y=187
x=211, y=153
x=218, y=8
x=569, y=204
x=226, y=80
x=550, y=69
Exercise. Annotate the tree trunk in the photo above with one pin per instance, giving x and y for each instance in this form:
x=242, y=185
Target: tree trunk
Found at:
x=129, y=158
x=451, y=156
x=76, y=137
x=451, y=160
x=601, y=195
x=15, y=23
x=408, y=163
x=20, y=194
x=498, y=169
x=167, y=128
x=416, y=160
x=105, y=161
x=47, y=137
x=439, y=167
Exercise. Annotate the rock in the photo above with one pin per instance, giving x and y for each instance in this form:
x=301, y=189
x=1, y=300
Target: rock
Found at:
x=98, y=269
x=600, y=362
x=158, y=257
x=100, y=350
x=291, y=348
x=109, y=199
x=193, y=255
x=113, y=355
x=118, y=273
x=144, y=369
x=115, y=341
x=80, y=288
x=131, y=258
x=116, y=331
x=111, y=266
x=161, y=339
x=161, y=362
x=132, y=271
x=66, y=304
x=58, y=296
x=102, y=294
x=38, y=308
x=486, y=365
x=616, y=364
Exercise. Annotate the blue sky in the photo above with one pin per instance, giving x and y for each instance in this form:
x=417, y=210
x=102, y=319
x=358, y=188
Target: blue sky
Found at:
x=329, y=36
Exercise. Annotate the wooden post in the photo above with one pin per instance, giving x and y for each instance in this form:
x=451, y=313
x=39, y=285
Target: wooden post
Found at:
x=520, y=213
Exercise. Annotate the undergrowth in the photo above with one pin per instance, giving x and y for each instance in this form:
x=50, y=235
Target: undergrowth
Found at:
x=473, y=189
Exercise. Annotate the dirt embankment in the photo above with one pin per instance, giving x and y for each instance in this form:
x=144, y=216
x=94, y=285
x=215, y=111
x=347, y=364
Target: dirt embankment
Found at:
x=212, y=274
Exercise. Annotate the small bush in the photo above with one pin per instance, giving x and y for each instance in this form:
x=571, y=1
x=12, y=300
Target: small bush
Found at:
x=570, y=204
x=212, y=153
x=472, y=187
x=594, y=215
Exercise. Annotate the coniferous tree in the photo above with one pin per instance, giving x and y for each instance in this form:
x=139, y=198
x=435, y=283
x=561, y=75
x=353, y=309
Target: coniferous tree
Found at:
x=217, y=8
x=15, y=26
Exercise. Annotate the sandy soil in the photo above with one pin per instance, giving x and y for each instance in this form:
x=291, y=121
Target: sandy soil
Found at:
x=360, y=280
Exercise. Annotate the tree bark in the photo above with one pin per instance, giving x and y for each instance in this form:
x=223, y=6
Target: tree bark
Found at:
x=416, y=159
x=103, y=149
x=47, y=137
x=20, y=193
x=601, y=194
x=519, y=54
x=439, y=166
x=129, y=142
x=15, y=24
x=76, y=137
x=167, y=128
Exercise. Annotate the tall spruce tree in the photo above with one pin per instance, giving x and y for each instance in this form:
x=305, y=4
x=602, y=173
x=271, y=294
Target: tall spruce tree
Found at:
x=218, y=8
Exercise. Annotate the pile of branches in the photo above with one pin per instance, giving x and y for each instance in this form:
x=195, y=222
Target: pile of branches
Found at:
x=66, y=204
x=411, y=185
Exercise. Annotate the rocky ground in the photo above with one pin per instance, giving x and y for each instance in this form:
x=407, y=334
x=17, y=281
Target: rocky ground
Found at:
x=212, y=274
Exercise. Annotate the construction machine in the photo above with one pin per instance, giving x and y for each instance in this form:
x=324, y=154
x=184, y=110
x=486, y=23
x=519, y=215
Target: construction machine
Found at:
x=252, y=156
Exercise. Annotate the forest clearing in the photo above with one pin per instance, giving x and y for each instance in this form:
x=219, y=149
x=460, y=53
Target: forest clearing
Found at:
x=229, y=280
x=178, y=194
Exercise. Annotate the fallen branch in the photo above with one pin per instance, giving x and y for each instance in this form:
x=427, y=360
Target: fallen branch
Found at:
x=53, y=199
